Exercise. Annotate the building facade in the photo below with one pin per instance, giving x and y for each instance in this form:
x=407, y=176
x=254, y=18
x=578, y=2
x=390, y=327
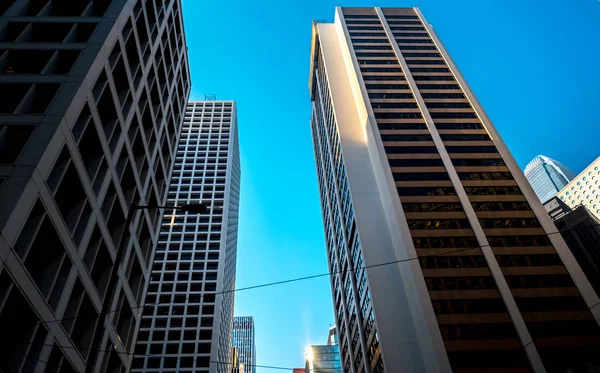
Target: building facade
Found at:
x=584, y=189
x=324, y=358
x=547, y=177
x=581, y=231
x=442, y=257
x=188, y=316
x=93, y=95
x=244, y=343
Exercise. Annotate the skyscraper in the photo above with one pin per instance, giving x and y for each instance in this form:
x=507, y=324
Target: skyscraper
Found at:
x=188, y=315
x=92, y=100
x=547, y=177
x=324, y=358
x=244, y=342
x=412, y=173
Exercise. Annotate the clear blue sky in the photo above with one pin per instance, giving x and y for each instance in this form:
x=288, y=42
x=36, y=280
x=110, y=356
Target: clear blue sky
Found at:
x=534, y=65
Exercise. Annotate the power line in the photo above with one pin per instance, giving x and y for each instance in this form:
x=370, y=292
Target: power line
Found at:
x=274, y=283
x=303, y=278
x=194, y=358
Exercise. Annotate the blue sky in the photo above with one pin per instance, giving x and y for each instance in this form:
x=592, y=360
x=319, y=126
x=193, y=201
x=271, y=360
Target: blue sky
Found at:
x=534, y=65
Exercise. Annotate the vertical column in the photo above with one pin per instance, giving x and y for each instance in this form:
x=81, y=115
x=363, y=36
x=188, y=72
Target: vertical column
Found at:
x=486, y=249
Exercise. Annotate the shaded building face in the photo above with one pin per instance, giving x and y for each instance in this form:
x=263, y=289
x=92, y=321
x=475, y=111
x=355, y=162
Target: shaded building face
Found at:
x=413, y=174
x=93, y=95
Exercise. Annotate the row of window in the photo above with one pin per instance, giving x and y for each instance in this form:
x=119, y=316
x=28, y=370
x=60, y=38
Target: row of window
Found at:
x=368, y=78
x=465, y=137
x=421, y=176
x=485, y=176
x=438, y=224
x=449, y=191
x=435, y=78
x=426, y=137
x=436, y=162
x=456, y=206
x=509, y=223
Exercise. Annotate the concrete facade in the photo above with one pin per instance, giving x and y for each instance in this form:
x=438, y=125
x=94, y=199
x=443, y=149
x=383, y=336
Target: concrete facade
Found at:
x=93, y=97
x=188, y=314
x=584, y=189
x=437, y=244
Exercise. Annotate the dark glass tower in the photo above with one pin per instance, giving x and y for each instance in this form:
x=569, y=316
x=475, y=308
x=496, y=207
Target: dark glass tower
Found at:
x=93, y=95
x=413, y=173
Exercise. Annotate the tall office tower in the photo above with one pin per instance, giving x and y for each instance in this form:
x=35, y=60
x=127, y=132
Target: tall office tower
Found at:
x=244, y=342
x=324, y=358
x=188, y=317
x=413, y=173
x=584, y=189
x=92, y=101
x=547, y=177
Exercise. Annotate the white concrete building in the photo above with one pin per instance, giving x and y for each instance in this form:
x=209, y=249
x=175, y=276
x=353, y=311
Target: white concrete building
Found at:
x=443, y=258
x=584, y=189
x=187, y=320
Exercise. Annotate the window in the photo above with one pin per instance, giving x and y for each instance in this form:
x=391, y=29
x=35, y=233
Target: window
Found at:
x=411, y=149
x=418, y=176
x=389, y=95
x=493, y=190
x=432, y=207
x=438, y=224
x=436, y=78
x=463, y=126
x=485, y=176
x=369, y=78
x=415, y=162
x=427, y=62
x=386, y=86
x=426, y=191
x=398, y=115
x=452, y=115
x=401, y=126
x=478, y=162
x=471, y=149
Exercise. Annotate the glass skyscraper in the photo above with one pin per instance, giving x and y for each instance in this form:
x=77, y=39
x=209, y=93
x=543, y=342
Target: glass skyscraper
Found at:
x=244, y=343
x=547, y=177
x=413, y=173
x=324, y=358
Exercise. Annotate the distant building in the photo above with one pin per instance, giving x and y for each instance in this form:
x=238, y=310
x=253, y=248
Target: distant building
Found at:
x=299, y=370
x=581, y=231
x=324, y=359
x=584, y=189
x=547, y=176
x=244, y=343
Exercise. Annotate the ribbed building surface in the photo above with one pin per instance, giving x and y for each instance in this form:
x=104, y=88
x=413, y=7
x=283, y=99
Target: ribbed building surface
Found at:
x=187, y=320
x=244, y=343
x=412, y=173
x=547, y=177
x=92, y=98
